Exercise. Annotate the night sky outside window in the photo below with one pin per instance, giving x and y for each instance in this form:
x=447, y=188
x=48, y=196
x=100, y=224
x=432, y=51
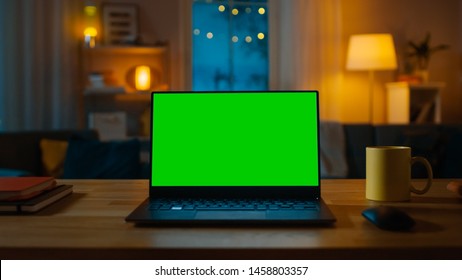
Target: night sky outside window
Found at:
x=230, y=45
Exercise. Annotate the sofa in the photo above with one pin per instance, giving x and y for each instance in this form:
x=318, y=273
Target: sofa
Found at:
x=86, y=157
x=70, y=154
x=441, y=144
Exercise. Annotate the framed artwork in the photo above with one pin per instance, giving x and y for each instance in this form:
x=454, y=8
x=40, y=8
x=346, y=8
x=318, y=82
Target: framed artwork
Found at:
x=120, y=24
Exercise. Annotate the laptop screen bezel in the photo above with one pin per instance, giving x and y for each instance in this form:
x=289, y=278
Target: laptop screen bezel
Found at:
x=305, y=192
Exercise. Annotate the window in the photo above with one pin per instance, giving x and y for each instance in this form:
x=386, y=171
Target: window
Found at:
x=230, y=45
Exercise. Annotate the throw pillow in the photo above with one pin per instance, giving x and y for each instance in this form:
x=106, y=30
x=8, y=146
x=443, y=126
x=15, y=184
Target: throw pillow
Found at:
x=53, y=155
x=93, y=159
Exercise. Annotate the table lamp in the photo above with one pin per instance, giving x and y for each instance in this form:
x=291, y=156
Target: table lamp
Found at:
x=90, y=36
x=142, y=78
x=371, y=52
x=90, y=21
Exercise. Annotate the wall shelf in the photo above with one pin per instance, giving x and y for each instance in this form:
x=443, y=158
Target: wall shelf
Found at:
x=125, y=50
x=116, y=65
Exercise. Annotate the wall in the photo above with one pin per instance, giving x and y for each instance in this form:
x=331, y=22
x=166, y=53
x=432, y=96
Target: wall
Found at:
x=405, y=20
x=164, y=20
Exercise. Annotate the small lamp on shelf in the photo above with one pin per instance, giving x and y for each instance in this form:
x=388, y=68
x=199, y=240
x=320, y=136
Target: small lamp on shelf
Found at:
x=371, y=52
x=143, y=78
x=90, y=37
x=90, y=22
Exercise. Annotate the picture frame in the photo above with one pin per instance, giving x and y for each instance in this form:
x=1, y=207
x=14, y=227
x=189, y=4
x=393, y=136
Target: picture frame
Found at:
x=120, y=24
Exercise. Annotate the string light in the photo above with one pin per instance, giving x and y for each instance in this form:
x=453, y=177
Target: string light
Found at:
x=261, y=36
x=221, y=8
x=261, y=11
x=210, y=35
x=235, y=11
x=248, y=39
x=235, y=39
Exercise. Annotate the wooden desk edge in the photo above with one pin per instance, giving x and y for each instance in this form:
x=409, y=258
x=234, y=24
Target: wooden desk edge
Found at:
x=448, y=253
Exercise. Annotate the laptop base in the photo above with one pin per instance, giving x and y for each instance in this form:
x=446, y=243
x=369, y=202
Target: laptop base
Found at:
x=145, y=216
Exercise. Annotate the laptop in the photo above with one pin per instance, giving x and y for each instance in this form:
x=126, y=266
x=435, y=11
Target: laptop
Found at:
x=248, y=158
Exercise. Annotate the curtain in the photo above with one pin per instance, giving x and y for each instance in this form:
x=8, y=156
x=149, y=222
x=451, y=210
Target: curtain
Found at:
x=39, y=84
x=307, y=49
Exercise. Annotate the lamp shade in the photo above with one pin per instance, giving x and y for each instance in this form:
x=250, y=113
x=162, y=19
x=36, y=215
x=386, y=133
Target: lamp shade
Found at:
x=371, y=52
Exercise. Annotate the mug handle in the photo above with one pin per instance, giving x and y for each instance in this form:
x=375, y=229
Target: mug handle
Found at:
x=425, y=162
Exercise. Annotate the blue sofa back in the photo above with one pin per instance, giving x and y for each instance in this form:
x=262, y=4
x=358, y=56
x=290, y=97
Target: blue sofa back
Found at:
x=21, y=150
x=440, y=144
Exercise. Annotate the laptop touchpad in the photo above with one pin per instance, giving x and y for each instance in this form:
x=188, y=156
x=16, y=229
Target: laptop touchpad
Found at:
x=230, y=215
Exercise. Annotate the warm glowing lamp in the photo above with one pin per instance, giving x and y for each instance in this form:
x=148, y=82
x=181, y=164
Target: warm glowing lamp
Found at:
x=90, y=36
x=143, y=78
x=371, y=52
x=90, y=21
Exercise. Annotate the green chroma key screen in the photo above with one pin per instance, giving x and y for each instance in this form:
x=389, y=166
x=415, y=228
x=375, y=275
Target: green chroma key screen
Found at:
x=235, y=139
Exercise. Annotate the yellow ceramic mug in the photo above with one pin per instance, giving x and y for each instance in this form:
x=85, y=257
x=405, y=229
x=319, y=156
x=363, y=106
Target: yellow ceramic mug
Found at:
x=388, y=173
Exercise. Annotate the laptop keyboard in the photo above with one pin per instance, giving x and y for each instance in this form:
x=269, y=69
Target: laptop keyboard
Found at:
x=232, y=204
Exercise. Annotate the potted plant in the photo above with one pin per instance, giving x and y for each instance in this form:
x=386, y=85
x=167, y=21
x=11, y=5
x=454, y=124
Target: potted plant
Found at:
x=421, y=52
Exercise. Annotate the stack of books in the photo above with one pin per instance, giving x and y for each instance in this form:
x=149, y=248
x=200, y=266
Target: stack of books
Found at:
x=30, y=194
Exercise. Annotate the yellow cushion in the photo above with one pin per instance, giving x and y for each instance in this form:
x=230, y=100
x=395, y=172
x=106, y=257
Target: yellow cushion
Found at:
x=53, y=156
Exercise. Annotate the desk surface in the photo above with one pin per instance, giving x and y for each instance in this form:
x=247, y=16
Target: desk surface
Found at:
x=90, y=224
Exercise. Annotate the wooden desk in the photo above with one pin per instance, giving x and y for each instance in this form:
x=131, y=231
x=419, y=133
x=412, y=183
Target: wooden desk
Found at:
x=90, y=225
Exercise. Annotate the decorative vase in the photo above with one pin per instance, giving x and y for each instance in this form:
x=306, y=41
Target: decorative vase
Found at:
x=422, y=74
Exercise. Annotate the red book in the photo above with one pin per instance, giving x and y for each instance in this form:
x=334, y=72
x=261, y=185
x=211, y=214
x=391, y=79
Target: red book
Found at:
x=19, y=188
x=37, y=202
